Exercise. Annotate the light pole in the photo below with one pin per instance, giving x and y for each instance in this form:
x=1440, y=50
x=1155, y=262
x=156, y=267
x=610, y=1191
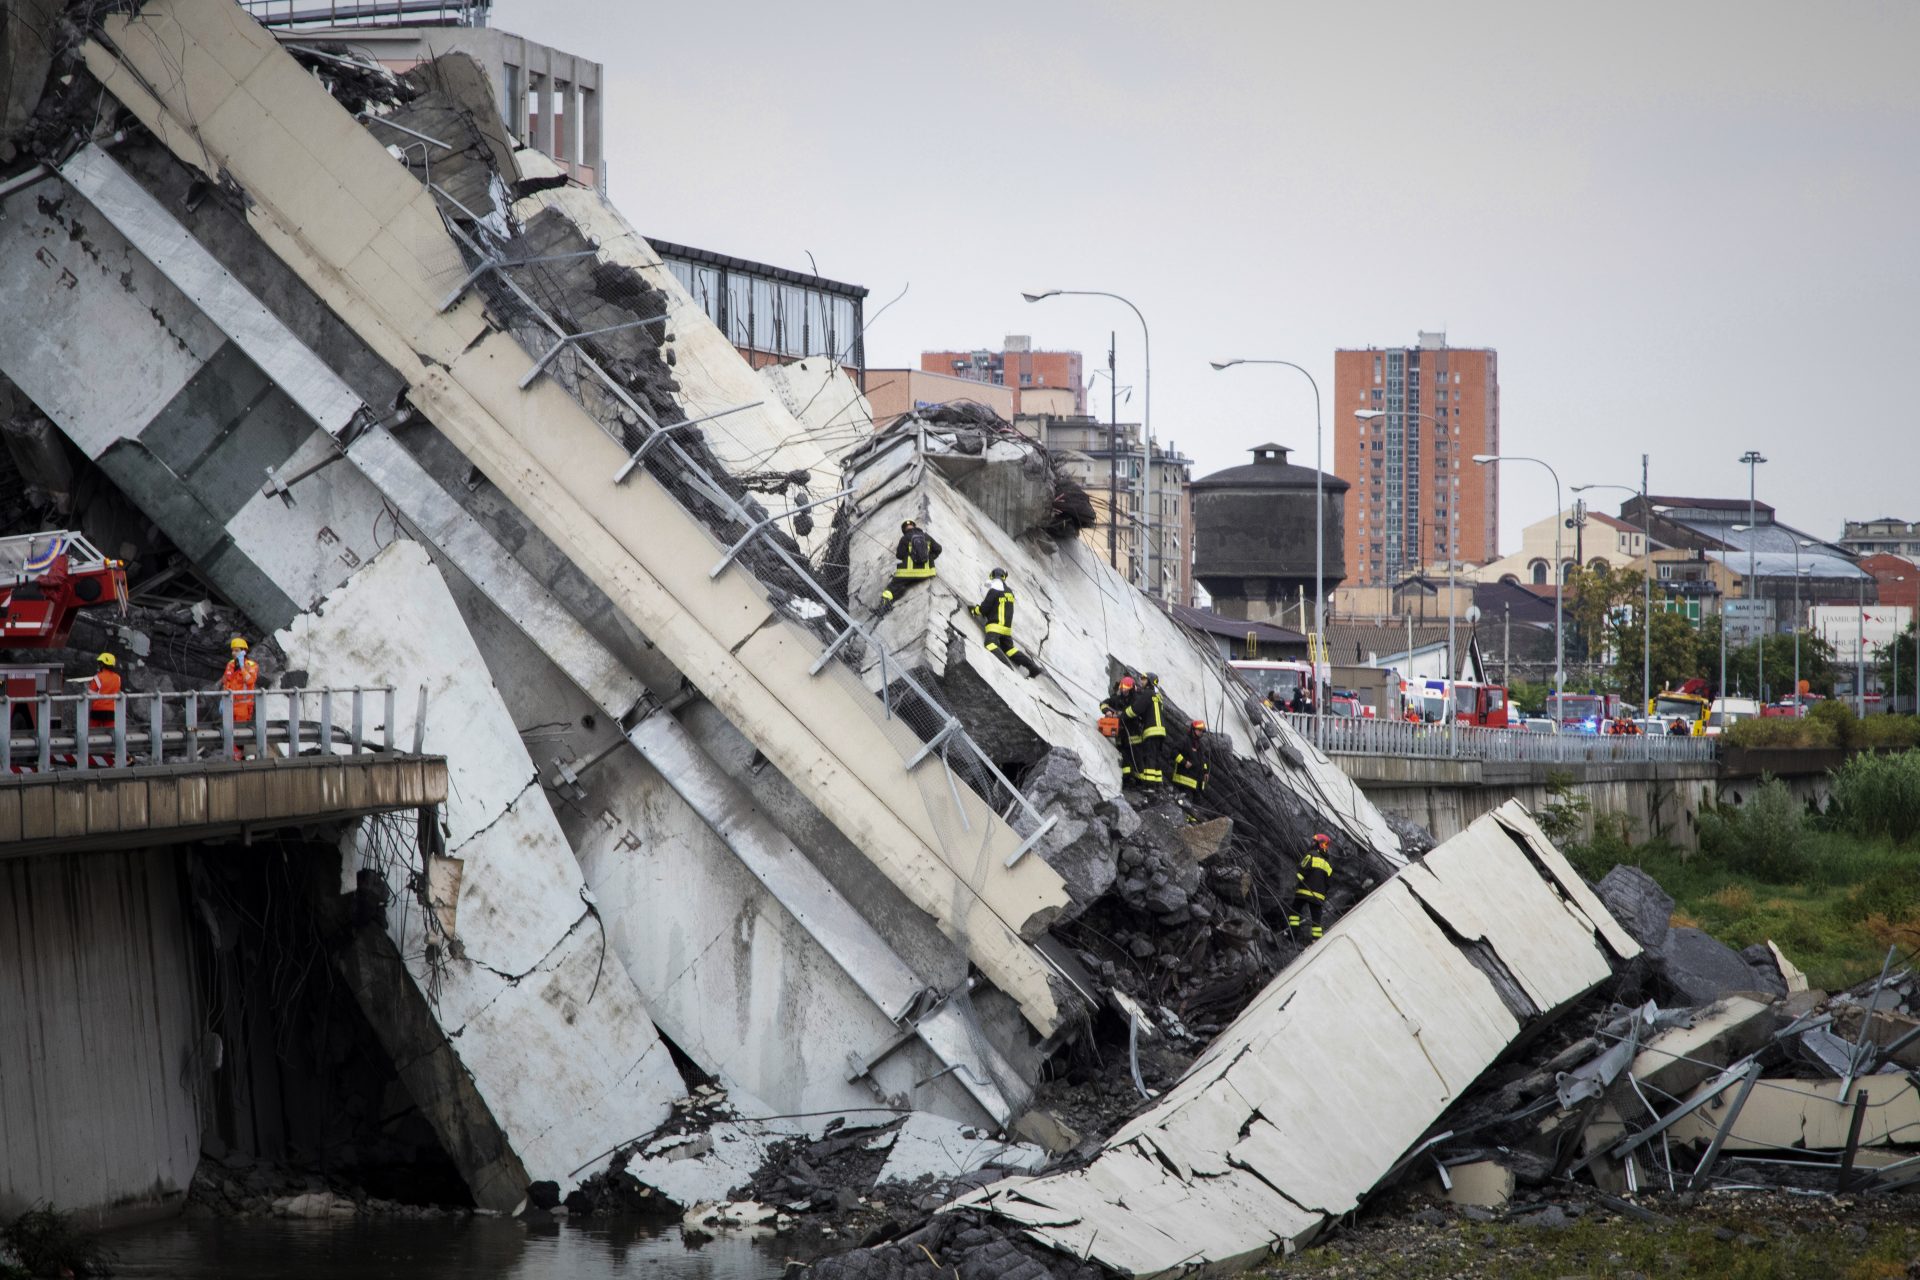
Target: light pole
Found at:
x=1559, y=574
x=1753, y=459
x=1319, y=638
x=1893, y=707
x=1797, y=544
x=1860, y=653
x=1146, y=418
x=1646, y=580
x=1453, y=668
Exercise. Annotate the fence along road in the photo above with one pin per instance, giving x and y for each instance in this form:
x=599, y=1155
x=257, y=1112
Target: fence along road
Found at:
x=1363, y=737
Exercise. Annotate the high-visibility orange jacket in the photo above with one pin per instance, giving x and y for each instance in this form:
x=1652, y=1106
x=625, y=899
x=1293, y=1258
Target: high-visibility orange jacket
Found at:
x=105, y=683
x=242, y=678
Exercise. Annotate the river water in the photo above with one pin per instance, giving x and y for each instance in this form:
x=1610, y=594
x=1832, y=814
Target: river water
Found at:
x=435, y=1249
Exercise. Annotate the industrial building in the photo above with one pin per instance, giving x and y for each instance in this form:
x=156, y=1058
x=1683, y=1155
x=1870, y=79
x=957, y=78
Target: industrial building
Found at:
x=1253, y=526
x=1020, y=367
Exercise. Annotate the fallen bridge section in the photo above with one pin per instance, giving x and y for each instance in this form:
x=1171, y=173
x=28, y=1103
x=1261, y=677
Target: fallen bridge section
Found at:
x=1327, y=1081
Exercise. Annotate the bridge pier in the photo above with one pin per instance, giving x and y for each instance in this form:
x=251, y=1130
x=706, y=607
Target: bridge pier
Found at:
x=1657, y=798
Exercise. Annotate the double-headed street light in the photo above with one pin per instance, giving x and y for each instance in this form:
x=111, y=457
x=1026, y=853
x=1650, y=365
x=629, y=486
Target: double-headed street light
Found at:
x=1319, y=637
x=1559, y=574
x=1146, y=420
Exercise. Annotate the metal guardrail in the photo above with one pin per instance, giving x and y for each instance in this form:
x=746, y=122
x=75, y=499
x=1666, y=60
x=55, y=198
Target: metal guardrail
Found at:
x=62, y=732
x=1354, y=736
x=901, y=703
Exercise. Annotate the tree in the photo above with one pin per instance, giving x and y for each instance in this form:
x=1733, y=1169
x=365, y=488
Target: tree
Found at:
x=1902, y=652
x=1816, y=665
x=1591, y=596
x=1675, y=657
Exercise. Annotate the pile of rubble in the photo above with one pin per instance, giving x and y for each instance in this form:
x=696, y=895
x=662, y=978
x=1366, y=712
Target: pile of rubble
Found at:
x=237, y=1185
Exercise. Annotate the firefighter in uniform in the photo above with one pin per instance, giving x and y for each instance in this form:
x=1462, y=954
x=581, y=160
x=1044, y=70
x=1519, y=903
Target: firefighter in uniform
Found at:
x=103, y=688
x=914, y=556
x=995, y=612
x=1190, y=766
x=1314, y=878
x=1114, y=726
x=1147, y=732
x=241, y=678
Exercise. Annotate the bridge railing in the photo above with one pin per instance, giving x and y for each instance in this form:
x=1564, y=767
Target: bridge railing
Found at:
x=67, y=732
x=1356, y=736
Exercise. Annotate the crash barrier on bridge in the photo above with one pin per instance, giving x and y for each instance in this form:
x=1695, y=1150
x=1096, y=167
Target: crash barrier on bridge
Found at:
x=1344, y=735
x=58, y=732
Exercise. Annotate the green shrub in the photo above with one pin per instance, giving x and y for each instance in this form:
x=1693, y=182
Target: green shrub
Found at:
x=1782, y=731
x=1879, y=795
x=46, y=1243
x=1836, y=713
x=1765, y=839
x=1886, y=731
x=1564, y=816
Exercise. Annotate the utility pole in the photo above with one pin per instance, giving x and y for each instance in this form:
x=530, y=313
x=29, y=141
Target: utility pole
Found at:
x=1753, y=459
x=1506, y=651
x=1113, y=453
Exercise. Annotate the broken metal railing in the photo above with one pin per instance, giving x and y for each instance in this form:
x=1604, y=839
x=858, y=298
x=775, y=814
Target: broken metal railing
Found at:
x=61, y=732
x=898, y=686
x=1358, y=736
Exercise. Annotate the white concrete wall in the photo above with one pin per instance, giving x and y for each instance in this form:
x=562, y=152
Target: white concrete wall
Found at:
x=100, y=1036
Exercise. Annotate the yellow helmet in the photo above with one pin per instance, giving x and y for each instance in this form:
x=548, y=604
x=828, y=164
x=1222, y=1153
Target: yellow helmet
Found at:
x=108, y=660
x=238, y=642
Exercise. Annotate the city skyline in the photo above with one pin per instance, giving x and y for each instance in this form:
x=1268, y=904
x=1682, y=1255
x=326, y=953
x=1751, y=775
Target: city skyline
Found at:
x=1675, y=243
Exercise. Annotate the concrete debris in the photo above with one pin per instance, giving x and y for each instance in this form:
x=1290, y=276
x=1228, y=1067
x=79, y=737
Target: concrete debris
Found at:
x=1703, y=969
x=930, y=1146
x=1641, y=906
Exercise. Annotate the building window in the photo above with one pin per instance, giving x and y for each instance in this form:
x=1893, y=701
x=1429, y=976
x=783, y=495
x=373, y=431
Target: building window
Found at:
x=1539, y=571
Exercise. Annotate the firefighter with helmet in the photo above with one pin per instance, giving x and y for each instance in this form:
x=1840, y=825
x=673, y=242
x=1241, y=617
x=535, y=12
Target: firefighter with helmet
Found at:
x=1114, y=726
x=1147, y=731
x=914, y=558
x=1191, y=767
x=995, y=612
x=1312, y=880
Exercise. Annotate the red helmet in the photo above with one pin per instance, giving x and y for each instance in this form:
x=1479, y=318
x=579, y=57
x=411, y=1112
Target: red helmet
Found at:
x=1322, y=839
x=1126, y=682
x=1199, y=726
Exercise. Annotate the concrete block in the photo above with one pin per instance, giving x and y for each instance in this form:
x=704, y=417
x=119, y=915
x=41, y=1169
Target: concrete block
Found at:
x=36, y=810
x=1809, y=1115
x=1638, y=902
x=1701, y=967
x=10, y=812
x=69, y=811
x=1482, y=1183
x=103, y=805
x=1679, y=1058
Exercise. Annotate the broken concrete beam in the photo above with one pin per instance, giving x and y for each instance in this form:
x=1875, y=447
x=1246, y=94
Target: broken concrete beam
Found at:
x=1272, y=1130
x=1809, y=1115
x=550, y=1027
x=1676, y=1060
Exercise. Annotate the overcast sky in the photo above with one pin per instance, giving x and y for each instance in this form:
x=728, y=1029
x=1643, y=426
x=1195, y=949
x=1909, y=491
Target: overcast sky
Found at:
x=1689, y=229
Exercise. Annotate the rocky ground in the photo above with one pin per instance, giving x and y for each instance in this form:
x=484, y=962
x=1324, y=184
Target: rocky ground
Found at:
x=240, y=1186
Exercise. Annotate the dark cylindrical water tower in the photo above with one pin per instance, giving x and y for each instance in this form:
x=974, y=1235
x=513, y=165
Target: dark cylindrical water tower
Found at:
x=1253, y=535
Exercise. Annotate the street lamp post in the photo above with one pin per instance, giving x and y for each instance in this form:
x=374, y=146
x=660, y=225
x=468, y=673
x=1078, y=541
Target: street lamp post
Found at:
x=1646, y=580
x=1146, y=417
x=1319, y=638
x=1860, y=652
x=1453, y=663
x=1753, y=459
x=1559, y=573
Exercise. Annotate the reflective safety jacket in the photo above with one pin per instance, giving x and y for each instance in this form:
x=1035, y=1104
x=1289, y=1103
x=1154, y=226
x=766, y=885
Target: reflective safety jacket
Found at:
x=915, y=554
x=1315, y=875
x=1190, y=766
x=105, y=683
x=241, y=679
x=996, y=610
x=1143, y=715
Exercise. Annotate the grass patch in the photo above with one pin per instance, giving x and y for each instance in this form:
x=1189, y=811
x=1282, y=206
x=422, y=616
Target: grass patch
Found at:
x=1732, y=1243
x=1833, y=900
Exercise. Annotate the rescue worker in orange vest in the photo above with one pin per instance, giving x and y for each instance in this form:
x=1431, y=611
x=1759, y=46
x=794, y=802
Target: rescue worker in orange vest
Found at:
x=914, y=557
x=1147, y=732
x=1191, y=767
x=1111, y=711
x=241, y=677
x=995, y=612
x=1314, y=878
x=103, y=688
